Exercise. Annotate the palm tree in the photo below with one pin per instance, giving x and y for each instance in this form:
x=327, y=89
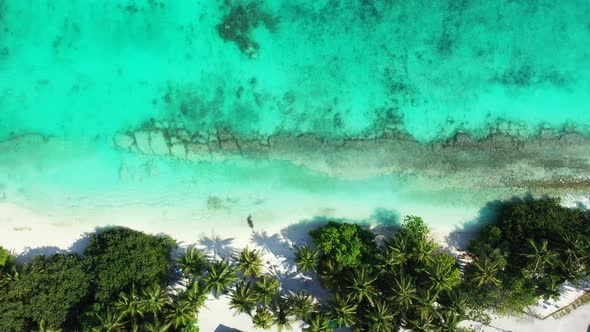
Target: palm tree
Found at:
x=196, y=293
x=131, y=305
x=443, y=276
x=541, y=256
x=319, y=322
x=329, y=275
x=382, y=318
x=266, y=288
x=302, y=305
x=243, y=298
x=193, y=262
x=249, y=263
x=362, y=285
x=450, y=320
x=44, y=328
x=423, y=252
x=342, y=310
x=110, y=321
x=307, y=259
x=262, y=318
x=154, y=300
x=157, y=326
x=403, y=291
x=423, y=322
x=181, y=314
x=281, y=310
x=393, y=256
x=220, y=276
x=485, y=273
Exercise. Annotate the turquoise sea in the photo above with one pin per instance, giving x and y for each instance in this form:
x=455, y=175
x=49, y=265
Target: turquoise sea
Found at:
x=79, y=72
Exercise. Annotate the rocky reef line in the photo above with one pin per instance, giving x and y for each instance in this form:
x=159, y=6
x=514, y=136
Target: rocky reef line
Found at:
x=550, y=161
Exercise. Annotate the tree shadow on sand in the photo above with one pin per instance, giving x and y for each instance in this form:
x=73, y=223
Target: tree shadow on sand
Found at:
x=464, y=233
x=219, y=247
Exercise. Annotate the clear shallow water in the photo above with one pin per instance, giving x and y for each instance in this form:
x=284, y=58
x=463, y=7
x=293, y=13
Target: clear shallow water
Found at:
x=84, y=70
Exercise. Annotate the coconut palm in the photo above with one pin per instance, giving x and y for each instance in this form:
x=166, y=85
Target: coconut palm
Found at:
x=266, y=289
x=362, y=285
x=450, y=320
x=329, y=275
x=262, y=318
x=110, y=321
x=307, y=259
x=192, y=261
x=181, y=314
x=318, y=322
x=423, y=251
x=423, y=322
x=281, y=310
x=485, y=272
x=394, y=255
x=243, y=298
x=342, y=310
x=131, y=305
x=249, y=263
x=541, y=256
x=220, y=276
x=196, y=293
x=154, y=300
x=157, y=326
x=403, y=291
x=443, y=274
x=302, y=305
x=382, y=318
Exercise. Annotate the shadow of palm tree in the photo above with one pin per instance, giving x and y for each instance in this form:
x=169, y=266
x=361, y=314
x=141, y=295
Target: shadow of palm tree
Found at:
x=219, y=247
x=274, y=244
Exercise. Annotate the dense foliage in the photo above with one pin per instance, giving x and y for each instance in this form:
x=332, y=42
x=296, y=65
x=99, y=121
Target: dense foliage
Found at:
x=533, y=248
x=346, y=244
x=45, y=291
x=120, y=257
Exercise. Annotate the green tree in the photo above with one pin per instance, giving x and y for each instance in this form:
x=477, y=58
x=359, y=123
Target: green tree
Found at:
x=154, y=300
x=249, y=263
x=318, y=322
x=307, y=259
x=346, y=244
x=48, y=289
x=403, y=291
x=266, y=289
x=262, y=318
x=181, y=314
x=131, y=305
x=281, y=310
x=242, y=298
x=120, y=257
x=541, y=256
x=443, y=273
x=382, y=318
x=485, y=273
x=220, y=276
x=302, y=305
x=111, y=321
x=196, y=293
x=192, y=261
x=329, y=274
x=362, y=286
x=342, y=310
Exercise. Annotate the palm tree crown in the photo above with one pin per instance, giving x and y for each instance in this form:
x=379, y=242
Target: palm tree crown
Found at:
x=249, y=263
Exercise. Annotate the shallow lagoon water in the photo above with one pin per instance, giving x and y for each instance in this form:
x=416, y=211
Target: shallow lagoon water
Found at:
x=81, y=72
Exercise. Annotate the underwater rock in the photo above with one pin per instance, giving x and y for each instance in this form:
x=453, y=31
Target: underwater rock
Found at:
x=124, y=141
x=142, y=140
x=178, y=151
x=158, y=143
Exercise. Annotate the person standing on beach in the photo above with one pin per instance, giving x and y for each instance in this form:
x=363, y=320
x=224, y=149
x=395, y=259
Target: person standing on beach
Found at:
x=250, y=223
